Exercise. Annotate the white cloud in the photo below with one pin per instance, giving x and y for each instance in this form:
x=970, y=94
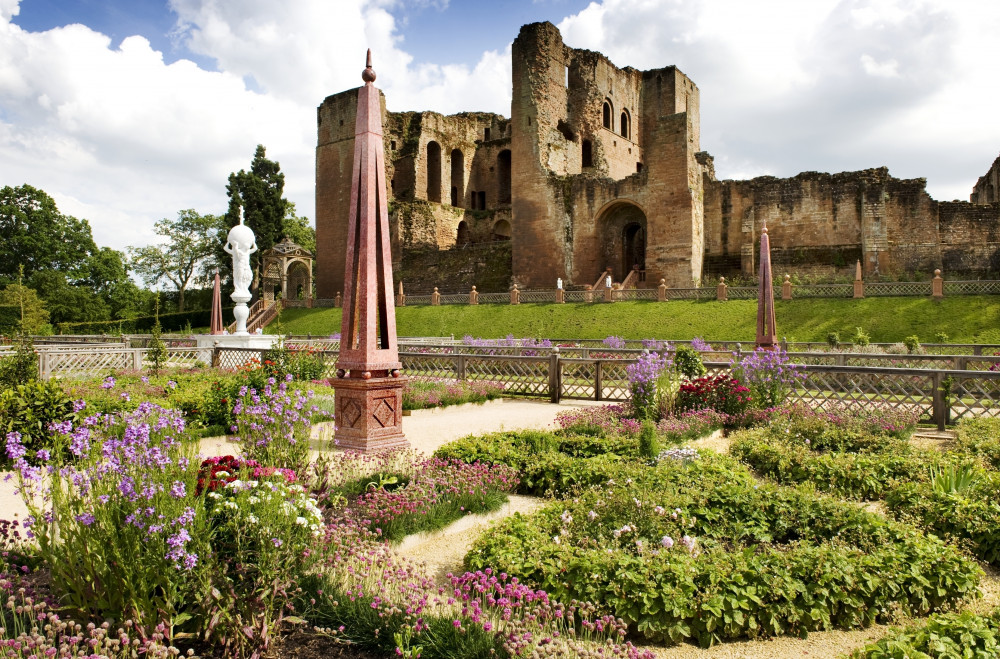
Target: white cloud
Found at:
x=121, y=138
x=830, y=85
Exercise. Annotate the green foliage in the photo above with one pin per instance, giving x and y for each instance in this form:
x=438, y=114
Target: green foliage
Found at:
x=979, y=438
x=743, y=560
x=964, y=635
x=864, y=475
x=971, y=515
x=833, y=339
x=649, y=442
x=22, y=366
x=688, y=362
x=40, y=238
x=28, y=310
x=423, y=394
x=298, y=229
x=29, y=408
x=953, y=478
x=912, y=343
x=861, y=337
x=183, y=259
x=941, y=337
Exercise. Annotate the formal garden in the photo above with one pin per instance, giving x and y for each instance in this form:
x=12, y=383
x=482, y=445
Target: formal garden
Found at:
x=706, y=509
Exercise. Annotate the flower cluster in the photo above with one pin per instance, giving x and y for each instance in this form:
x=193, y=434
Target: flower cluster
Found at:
x=491, y=345
x=614, y=342
x=436, y=483
x=216, y=472
x=768, y=373
x=721, y=393
x=701, y=345
x=272, y=424
x=644, y=377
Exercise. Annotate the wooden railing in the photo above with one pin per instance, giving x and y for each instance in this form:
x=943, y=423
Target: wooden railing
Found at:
x=262, y=312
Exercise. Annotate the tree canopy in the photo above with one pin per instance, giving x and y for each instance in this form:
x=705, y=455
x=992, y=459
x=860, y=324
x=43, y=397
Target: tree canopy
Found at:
x=36, y=235
x=184, y=259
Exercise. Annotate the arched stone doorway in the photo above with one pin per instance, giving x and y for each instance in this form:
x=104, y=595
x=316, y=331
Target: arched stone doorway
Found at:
x=623, y=238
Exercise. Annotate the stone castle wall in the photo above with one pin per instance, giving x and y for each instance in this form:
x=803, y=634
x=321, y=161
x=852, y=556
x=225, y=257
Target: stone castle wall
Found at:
x=600, y=167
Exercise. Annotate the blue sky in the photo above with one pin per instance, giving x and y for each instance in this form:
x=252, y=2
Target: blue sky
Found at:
x=127, y=111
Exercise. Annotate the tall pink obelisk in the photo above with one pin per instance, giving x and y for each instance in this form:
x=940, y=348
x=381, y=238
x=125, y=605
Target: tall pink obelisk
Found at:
x=368, y=387
x=765, y=296
x=215, y=320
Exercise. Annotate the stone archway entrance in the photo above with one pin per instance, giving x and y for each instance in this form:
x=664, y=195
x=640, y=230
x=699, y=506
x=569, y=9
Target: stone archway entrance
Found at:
x=623, y=238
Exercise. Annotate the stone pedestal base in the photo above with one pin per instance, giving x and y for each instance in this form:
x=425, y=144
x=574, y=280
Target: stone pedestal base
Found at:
x=369, y=413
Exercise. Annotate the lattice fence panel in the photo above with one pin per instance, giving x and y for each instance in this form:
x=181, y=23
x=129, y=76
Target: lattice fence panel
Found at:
x=708, y=293
x=318, y=344
x=834, y=390
x=578, y=378
x=974, y=396
x=537, y=296
x=897, y=288
x=614, y=384
x=231, y=359
x=494, y=298
x=900, y=361
x=741, y=292
x=972, y=287
x=526, y=375
x=184, y=357
x=417, y=300
x=455, y=298
x=86, y=364
x=629, y=294
x=580, y=297
x=823, y=290
x=428, y=366
x=984, y=363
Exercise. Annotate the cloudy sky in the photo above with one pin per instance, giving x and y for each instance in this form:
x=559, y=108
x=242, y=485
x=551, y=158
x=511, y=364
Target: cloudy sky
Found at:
x=127, y=111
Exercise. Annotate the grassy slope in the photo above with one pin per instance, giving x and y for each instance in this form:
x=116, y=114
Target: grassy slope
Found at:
x=964, y=319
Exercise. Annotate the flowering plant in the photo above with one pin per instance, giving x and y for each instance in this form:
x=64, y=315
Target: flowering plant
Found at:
x=768, y=373
x=273, y=424
x=649, y=380
x=721, y=393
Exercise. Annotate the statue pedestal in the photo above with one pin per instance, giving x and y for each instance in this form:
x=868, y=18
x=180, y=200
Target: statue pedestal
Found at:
x=369, y=413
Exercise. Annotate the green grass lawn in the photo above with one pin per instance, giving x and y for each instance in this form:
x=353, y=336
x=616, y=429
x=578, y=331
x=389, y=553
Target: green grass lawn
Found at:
x=966, y=319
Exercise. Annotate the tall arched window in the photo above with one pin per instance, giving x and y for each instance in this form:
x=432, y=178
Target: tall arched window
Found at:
x=434, y=172
x=588, y=154
x=626, y=125
x=463, y=237
x=608, y=114
x=503, y=177
x=457, y=178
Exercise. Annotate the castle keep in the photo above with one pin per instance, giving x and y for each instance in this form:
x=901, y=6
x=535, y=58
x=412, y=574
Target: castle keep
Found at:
x=601, y=167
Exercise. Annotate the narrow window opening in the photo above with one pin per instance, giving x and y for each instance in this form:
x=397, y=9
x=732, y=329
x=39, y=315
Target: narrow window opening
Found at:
x=486, y=135
x=607, y=115
x=482, y=200
x=638, y=167
x=588, y=154
x=434, y=172
x=503, y=177
x=392, y=144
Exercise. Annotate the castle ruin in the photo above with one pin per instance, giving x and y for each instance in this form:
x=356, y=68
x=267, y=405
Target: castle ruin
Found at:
x=601, y=167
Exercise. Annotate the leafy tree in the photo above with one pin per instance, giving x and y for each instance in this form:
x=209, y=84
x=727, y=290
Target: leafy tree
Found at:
x=27, y=305
x=107, y=275
x=39, y=237
x=299, y=229
x=183, y=259
x=68, y=303
x=259, y=193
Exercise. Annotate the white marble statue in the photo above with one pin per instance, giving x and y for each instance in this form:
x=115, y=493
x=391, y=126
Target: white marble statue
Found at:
x=241, y=243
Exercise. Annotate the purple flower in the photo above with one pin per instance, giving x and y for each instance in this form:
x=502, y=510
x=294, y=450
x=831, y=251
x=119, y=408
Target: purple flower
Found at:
x=178, y=490
x=86, y=519
x=667, y=542
x=109, y=383
x=42, y=455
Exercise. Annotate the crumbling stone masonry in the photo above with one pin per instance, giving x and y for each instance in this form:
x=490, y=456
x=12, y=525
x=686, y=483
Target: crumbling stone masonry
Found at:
x=600, y=167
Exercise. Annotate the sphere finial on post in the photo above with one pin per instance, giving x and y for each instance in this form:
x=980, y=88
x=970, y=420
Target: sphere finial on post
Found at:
x=368, y=75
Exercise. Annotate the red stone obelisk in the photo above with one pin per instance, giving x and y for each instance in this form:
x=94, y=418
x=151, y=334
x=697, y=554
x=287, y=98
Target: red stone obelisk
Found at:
x=368, y=387
x=215, y=320
x=765, y=296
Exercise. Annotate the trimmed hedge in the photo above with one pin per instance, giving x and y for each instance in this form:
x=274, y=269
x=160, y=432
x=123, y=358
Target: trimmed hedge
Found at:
x=979, y=438
x=947, y=635
x=855, y=475
x=766, y=560
x=169, y=322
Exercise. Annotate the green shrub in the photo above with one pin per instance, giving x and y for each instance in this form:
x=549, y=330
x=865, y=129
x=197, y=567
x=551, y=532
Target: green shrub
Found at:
x=833, y=339
x=971, y=516
x=849, y=474
x=979, y=438
x=29, y=409
x=686, y=551
x=861, y=337
x=941, y=337
x=964, y=634
x=912, y=344
x=687, y=362
x=22, y=366
x=649, y=442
